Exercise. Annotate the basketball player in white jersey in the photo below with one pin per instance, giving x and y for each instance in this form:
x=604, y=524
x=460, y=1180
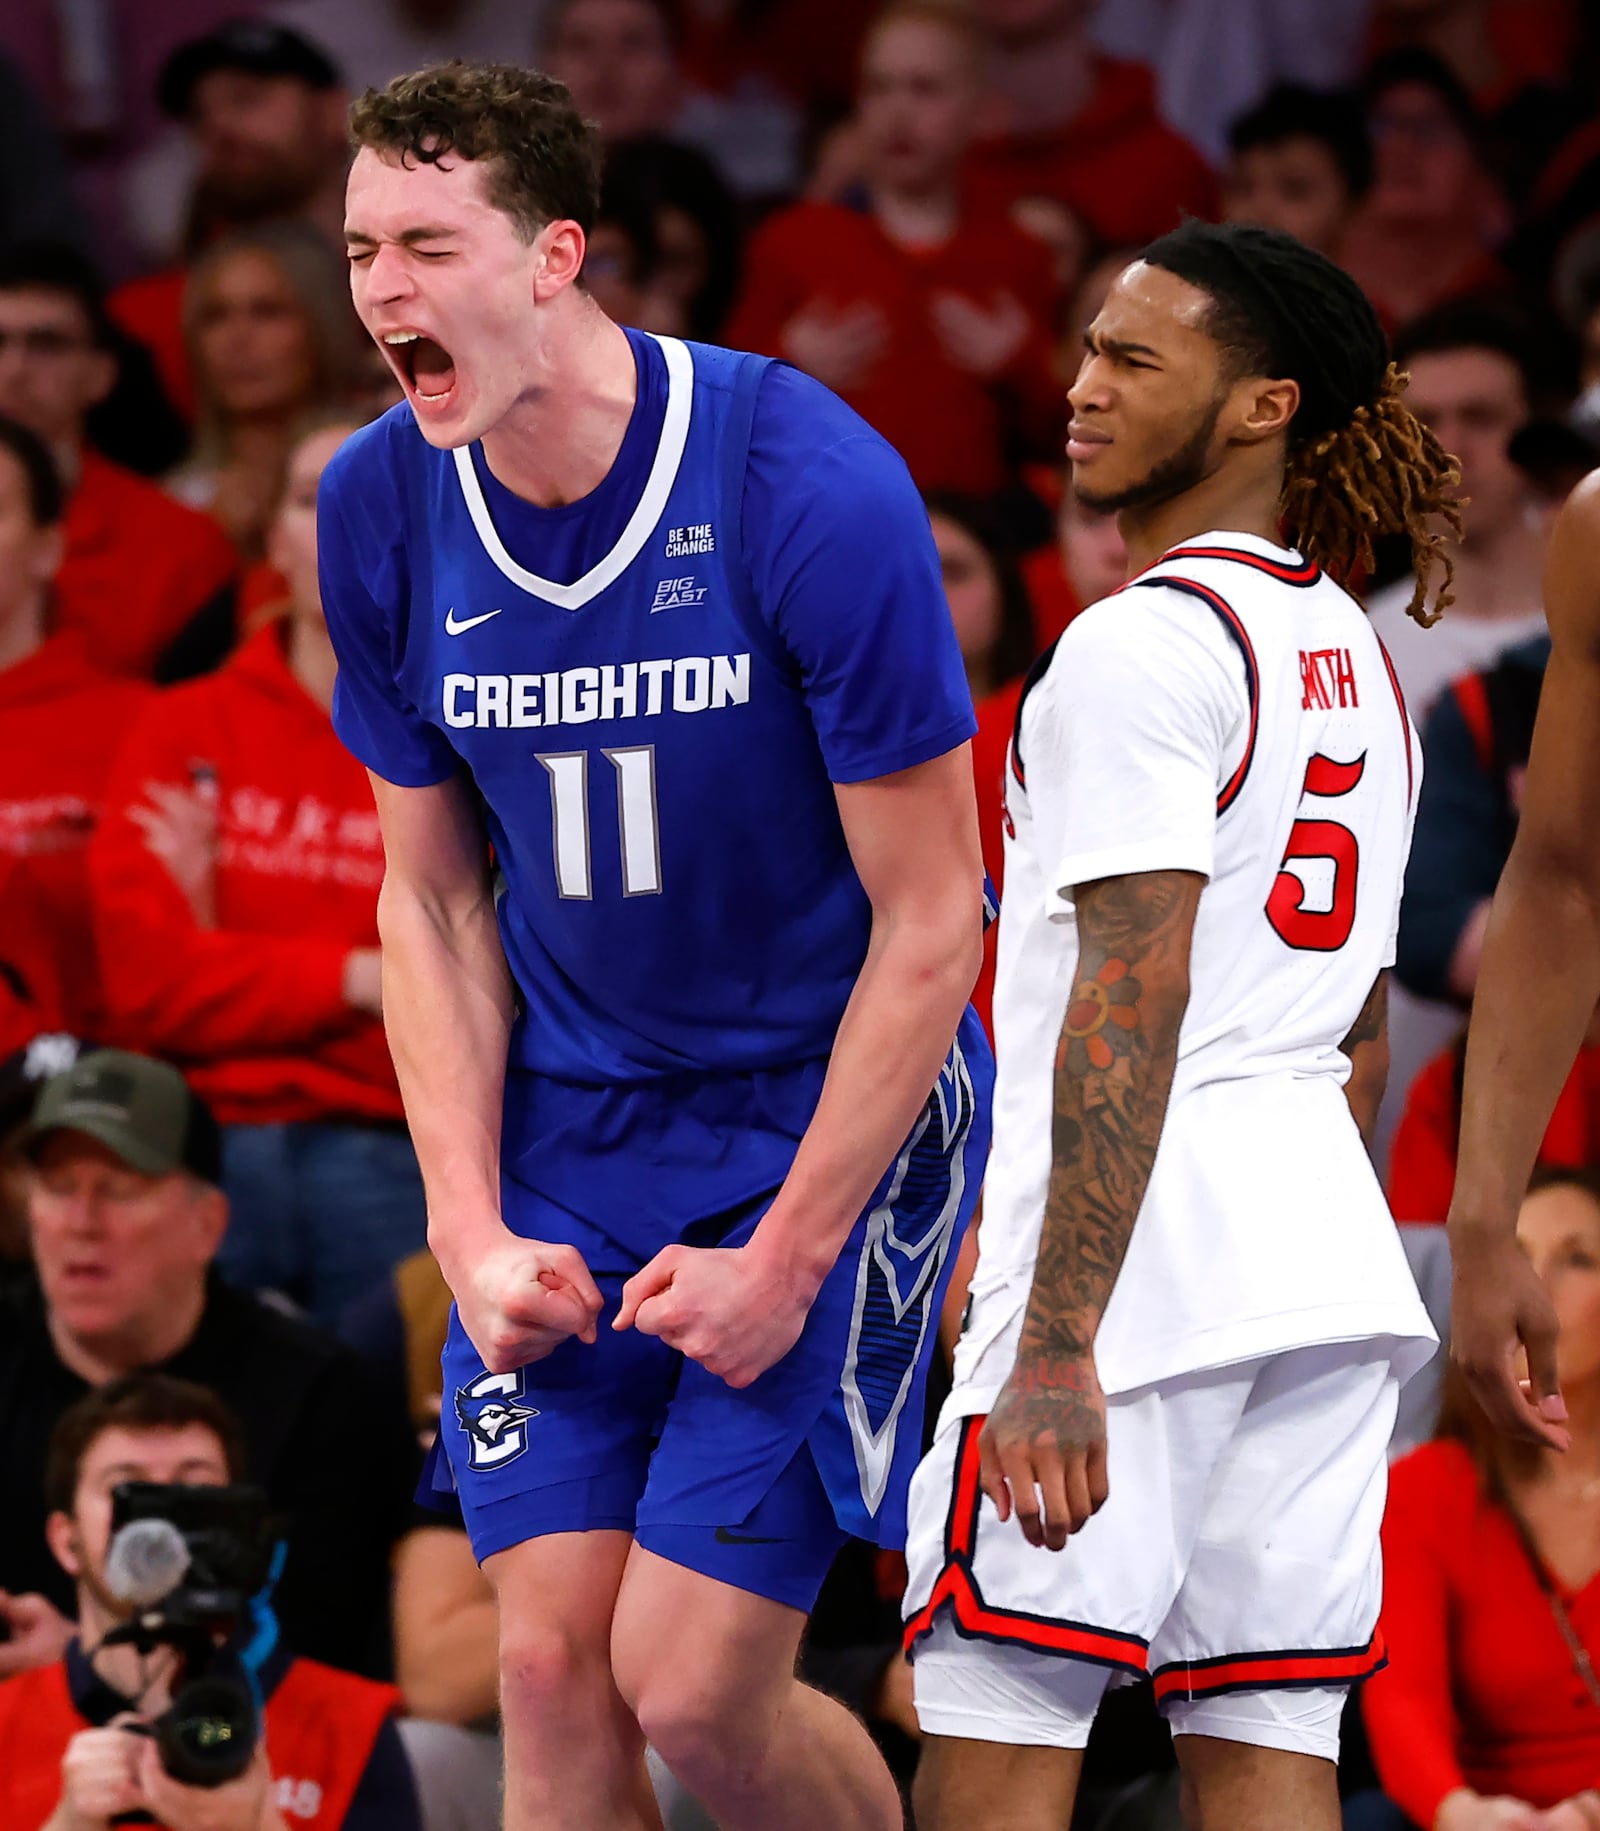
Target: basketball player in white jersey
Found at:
x=1165, y=1451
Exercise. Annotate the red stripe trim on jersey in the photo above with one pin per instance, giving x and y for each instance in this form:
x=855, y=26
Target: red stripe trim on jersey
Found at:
x=1197, y=1678
x=1230, y=621
x=974, y=1619
x=1306, y=573
x=1405, y=718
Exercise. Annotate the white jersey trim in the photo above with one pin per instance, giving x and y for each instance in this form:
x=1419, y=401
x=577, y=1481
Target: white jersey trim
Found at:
x=645, y=518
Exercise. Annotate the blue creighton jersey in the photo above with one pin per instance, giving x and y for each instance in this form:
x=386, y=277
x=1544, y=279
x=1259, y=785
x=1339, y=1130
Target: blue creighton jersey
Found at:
x=655, y=689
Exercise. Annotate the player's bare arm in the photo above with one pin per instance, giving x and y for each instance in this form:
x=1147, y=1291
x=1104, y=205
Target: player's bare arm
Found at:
x=448, y=1003
x=1367, y=1046
x=1044, y=1446
x=1536, y=992
x=913, y=838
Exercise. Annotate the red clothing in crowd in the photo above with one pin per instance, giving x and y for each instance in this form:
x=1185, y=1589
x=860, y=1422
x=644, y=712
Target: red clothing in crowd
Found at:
x=1051, y=593
x=252, y=1009
x=1117, y=165
x=151, y=310
x=31, y=993
x=61, y=723
x=808, y=50
x=1422, y=1162
x=945, y=422
x=1534, y=41
x=1481, y=1689
x=996, y=716
x=138, y=566
x=320, y=1729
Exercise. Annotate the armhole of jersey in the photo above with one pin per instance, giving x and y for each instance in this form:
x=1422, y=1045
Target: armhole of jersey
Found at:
x=736, y=433
x=1228, y=617
x=1035, y=674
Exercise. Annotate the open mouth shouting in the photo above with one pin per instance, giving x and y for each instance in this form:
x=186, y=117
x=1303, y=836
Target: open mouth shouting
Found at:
x=426, y=369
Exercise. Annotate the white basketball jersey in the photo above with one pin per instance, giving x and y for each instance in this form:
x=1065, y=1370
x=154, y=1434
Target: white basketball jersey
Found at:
x=1230, y=712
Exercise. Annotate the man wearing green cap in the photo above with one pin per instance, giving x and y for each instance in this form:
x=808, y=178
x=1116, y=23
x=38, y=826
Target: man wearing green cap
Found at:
x=125, y=1217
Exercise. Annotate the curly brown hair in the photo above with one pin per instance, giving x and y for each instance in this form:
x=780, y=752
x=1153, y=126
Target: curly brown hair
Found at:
x=543, y=157
x=1383, y=473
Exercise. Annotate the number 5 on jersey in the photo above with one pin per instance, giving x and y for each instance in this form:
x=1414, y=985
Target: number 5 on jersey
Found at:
x=1324, y=843
x=637, y=821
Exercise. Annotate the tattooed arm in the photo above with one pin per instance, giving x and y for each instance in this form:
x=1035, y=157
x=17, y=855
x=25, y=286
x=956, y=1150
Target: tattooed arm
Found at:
x=1113, y=1077
x=1367, y=1046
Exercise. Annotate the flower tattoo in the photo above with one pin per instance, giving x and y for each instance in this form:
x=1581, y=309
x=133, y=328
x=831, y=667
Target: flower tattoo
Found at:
x=1110, y=997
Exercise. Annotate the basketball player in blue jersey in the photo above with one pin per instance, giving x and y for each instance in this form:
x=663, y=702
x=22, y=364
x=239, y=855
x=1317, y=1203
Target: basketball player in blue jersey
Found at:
x=645, y=647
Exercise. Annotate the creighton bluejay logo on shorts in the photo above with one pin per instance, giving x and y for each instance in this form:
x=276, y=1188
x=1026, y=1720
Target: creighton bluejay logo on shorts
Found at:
x=493, y=1416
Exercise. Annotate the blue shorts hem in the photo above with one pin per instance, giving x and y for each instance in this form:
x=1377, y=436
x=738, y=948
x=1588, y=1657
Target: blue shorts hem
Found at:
x=796, y=1583
x=592, y=1504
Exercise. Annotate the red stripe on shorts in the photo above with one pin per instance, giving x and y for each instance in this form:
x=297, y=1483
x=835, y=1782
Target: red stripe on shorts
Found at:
x=975, y=1619
x=1198, y=1678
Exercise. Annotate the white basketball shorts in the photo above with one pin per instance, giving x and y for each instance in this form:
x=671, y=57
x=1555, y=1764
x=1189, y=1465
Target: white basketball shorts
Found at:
x=1236, y=1561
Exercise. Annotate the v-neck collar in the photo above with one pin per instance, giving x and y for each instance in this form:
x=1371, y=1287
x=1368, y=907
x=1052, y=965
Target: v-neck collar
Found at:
x=652, y=500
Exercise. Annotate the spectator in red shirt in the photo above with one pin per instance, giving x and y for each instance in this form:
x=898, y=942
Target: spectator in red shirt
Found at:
x=1299, y=161
x=236, y=896
x=139, y=568
x=1434, y=216
x=1488, y=1716
x=271, y=337
x=1082, y=129
x=60, y=723
x=265, y=109
x=930, y=314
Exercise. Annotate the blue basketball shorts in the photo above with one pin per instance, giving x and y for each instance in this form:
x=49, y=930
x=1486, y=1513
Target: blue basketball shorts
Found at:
x=757, y=1488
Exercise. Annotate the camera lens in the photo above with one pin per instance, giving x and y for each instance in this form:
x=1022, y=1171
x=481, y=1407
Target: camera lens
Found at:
x=208, y=1737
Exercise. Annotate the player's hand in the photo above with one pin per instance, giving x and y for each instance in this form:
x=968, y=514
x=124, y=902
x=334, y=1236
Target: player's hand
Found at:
x=1498, y=1305
x=1579, y=1813
x=981, y=341
x=1464, y=1810
x=240, y=1805
x=838, y=347
x=523, y=1299
x=39, y=1633
x=99, y=1778
x=729, y=1307
x=1042, y=1452
x=180, y=828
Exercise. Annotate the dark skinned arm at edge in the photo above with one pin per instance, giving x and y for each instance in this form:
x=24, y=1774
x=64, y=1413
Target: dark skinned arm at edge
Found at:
x=1537, y=989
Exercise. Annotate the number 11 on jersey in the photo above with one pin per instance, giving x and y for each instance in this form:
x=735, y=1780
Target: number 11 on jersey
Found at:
x=637, y=820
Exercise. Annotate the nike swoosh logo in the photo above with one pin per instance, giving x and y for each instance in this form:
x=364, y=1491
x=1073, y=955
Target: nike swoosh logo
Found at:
x=725, y=1537
x=453, y=627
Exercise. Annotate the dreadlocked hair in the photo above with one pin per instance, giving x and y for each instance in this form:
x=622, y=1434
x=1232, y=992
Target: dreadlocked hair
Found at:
x=1384, y=473
x=1361, y=464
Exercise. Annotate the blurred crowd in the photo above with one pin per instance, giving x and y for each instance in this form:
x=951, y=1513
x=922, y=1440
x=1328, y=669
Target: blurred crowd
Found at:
x=923, y=208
